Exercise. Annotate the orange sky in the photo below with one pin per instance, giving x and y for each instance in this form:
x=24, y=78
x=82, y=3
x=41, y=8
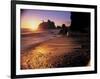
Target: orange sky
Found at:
x=31, y=18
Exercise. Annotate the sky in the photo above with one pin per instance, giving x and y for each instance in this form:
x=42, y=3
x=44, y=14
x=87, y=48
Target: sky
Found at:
x=31, y=18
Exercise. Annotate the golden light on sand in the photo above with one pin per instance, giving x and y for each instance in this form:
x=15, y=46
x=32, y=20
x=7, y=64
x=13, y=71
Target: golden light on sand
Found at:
x=42, y=49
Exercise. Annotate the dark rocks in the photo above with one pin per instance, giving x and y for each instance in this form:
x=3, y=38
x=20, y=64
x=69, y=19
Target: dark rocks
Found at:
x=47, y=25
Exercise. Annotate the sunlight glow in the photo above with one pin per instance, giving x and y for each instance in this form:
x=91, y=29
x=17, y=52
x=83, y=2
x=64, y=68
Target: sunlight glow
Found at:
x=33, y=25
x=32, y=18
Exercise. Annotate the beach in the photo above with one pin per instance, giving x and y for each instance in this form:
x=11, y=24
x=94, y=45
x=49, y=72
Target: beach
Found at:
x=50, y=50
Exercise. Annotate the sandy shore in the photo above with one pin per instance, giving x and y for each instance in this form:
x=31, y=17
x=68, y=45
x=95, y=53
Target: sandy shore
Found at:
x=61, y=51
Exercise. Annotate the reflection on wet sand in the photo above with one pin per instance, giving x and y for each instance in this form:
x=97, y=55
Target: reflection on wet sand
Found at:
x=57, y=52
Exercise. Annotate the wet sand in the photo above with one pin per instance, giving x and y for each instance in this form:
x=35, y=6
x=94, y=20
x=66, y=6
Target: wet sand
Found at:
x=58, y=52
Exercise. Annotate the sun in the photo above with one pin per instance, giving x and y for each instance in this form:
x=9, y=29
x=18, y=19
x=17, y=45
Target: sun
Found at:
x=30, y=23
x=33, y=25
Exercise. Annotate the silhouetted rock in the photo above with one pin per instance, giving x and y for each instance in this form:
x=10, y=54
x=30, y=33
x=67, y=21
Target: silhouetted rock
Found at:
x=64, y=29
x=47, y=25
x=58, y=27
x=80, y=21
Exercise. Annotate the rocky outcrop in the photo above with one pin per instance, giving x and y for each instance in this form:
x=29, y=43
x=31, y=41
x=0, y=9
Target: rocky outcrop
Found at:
x=80, y=21
x=47, y=25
